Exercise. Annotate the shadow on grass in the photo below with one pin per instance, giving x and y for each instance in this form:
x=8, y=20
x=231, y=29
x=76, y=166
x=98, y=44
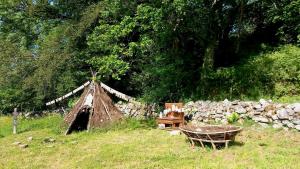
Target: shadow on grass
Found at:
x=128, y=124
x=24, y=130
x=236, y=144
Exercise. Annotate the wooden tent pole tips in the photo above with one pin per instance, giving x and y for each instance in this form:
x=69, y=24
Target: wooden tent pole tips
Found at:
x=94, y=75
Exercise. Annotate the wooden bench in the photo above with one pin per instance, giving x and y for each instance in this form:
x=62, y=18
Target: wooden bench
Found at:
x=223, y=134
x=173, y=119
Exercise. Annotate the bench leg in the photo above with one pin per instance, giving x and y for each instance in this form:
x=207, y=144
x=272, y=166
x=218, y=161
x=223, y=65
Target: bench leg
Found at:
x=226, y=144
x=180, y=124
x=192, y=144
x=202, y=145
x=213, y=145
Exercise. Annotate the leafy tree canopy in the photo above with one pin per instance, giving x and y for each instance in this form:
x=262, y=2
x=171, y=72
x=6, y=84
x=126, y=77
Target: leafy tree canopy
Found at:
x=158, y=50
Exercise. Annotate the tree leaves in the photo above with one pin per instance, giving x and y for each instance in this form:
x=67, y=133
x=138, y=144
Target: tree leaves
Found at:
x=109, y=66
x=162, y=50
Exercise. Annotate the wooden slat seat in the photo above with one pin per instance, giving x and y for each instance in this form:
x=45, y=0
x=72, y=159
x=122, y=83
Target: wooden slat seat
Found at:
x=211, y=141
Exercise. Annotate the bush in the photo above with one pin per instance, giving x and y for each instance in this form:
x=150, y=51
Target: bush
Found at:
x=233, y=117
x=271, y=75
x=72, y=102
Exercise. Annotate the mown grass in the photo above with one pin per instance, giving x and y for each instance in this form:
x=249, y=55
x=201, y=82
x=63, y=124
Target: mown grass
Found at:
x=137, y=144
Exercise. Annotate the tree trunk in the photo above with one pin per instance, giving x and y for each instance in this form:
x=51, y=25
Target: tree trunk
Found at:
x=207, y=66
x=208, y=59
x=240, y=22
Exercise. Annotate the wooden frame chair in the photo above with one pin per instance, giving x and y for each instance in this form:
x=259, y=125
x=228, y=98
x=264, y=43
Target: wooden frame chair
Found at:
x=173, y=119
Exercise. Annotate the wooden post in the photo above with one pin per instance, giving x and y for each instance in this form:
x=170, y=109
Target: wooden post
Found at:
x=15, y=120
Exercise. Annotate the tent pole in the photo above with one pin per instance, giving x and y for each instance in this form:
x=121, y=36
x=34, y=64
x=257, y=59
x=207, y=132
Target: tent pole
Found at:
x=106, y=110
x=92, y=109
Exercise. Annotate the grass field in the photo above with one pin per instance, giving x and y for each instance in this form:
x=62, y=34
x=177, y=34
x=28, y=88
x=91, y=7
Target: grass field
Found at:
x=137, y=144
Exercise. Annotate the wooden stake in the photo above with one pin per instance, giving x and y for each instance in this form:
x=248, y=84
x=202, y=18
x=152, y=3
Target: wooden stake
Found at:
x=15, y=121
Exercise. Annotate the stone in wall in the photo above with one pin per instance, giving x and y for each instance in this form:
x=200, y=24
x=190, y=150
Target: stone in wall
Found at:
x=296, y=107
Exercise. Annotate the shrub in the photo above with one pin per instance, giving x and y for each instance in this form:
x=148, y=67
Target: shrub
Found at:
x=233, y=117
x=72, y=102
x=273, y=74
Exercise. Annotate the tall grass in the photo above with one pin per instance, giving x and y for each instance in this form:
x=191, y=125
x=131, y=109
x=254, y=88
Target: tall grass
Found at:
x=51, y=122
x=54, y=123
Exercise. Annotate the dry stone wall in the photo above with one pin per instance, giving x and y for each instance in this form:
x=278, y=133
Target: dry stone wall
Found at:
x=137, y=110
x=264, y=112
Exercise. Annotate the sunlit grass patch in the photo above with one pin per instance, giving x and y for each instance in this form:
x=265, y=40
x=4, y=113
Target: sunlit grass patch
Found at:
x=136, y=144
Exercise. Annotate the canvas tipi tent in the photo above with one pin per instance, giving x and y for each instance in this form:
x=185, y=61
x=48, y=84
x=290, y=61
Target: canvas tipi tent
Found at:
x=94, y=109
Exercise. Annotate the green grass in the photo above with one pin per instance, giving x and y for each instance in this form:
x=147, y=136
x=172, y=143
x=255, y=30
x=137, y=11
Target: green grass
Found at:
x=136, y=144
x=52, y=123
x=288, y=99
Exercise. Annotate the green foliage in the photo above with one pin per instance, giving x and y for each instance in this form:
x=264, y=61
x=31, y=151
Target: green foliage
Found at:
x=72, y=102
x=38, y=52
x=288, y=99
x=157, y=50
x=233, y=117
x=287, y=14
x=271, y=75
x=110, y=66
